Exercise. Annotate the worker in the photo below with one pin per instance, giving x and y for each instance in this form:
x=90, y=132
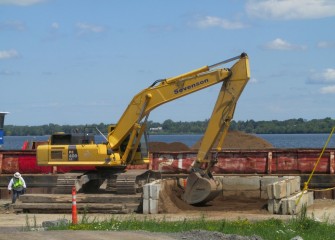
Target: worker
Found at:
x=17, y=185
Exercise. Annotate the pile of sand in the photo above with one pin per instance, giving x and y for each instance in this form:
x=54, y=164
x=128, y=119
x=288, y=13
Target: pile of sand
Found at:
x=167, y=147
x=233, y=140
x=241, y=140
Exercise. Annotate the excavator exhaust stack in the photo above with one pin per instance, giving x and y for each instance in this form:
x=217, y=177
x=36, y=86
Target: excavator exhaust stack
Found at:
x=201, y=189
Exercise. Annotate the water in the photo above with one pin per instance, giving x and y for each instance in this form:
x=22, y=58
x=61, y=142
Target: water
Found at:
x=316, y=140
x=277, y=140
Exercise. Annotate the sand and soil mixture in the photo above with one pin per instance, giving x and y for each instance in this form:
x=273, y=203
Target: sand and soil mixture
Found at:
x=233, y=140
x=171, y=202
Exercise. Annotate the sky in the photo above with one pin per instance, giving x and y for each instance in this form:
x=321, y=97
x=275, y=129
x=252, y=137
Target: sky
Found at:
x=82, y=62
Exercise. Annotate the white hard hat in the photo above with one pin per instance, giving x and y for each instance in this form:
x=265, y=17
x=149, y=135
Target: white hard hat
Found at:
x=17, y=175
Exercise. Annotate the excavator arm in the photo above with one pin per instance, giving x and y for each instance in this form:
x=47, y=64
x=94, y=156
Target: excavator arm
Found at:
x=167, y=90
x=201, y=187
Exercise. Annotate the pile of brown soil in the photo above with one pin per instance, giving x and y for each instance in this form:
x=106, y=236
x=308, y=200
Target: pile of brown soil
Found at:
x=241, y=140
x=234, y=140
x=167, y=147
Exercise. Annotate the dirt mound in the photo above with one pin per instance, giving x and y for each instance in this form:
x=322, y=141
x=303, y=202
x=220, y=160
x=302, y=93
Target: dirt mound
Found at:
x=241, y=140
x=234, y=140
x=167, y=147
x=171, y=202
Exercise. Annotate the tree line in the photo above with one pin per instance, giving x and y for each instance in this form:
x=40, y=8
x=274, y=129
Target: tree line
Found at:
x=198, y=127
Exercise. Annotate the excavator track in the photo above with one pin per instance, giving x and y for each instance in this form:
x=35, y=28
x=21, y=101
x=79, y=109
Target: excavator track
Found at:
x=125, y=183
x=132, y=181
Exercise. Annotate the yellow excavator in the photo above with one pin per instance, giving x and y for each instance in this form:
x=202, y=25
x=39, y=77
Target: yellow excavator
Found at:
x=126, y=143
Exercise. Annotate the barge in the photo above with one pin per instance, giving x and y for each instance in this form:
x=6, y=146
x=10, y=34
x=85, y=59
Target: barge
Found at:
x=260, y=162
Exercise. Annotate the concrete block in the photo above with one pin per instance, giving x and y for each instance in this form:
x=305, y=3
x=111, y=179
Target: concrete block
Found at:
x=310, y=198
x=151, y=197
x=291, y=206
x=241, y=183
x=274, y=206
x=153, y=206
x=267, y=180
x=264, y=194
x=146, y=191
x=151, y=190
x=146, y=206
x=295, y=182
x=288, y=184
x=280, y=189
x=154, y=191
x=270, y=190
x=283, y=188
x=150, y=206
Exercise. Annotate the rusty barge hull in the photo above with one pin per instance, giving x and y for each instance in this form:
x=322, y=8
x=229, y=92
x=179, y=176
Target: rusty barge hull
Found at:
x=269, y=161
x=281, y=162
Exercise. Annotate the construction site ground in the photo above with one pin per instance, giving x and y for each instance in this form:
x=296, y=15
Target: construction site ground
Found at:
x=12, y=224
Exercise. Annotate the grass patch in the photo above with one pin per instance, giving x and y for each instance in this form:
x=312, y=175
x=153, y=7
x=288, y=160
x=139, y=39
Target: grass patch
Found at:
x=307, y=228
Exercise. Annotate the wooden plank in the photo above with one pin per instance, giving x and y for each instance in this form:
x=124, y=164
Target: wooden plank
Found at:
x=67, y=207
x=81, y=198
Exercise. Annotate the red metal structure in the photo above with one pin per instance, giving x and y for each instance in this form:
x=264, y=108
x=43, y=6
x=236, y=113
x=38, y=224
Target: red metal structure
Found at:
x=269, y=161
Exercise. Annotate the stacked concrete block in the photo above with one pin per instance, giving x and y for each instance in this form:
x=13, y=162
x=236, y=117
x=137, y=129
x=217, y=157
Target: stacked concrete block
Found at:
x=293, y=204
x=241, y=187
x=265, y=181
x=285, y=187
x=285, y=196
x=151, y=197
x=274, y=206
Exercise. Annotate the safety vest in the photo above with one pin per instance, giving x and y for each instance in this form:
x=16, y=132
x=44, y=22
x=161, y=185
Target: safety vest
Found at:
x=17, y=183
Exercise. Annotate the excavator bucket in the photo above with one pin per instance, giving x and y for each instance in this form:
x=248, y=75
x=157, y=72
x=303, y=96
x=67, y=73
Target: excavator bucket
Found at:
x=201, y=189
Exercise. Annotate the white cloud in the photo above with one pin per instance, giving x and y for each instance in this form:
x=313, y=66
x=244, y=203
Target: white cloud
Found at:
x=8, y=73
x=325, y=44
x=329, y=75
x=6, y=54
x=20, y=2
x=12, y=25
x=328, y=90
x=280, y=44
x=55, y=25
x=291, y=9
x=210, y=21
x=89, y=28
x=253, y=80
x=324, y=77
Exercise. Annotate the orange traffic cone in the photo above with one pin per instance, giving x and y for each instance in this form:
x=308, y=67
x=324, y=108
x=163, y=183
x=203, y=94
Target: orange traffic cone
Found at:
x=74, y=206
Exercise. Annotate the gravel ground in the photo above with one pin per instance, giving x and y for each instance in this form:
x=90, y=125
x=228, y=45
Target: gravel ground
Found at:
x=12, y=225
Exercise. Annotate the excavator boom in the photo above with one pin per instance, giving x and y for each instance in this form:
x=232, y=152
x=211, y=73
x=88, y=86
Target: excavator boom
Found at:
x=201, y=187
